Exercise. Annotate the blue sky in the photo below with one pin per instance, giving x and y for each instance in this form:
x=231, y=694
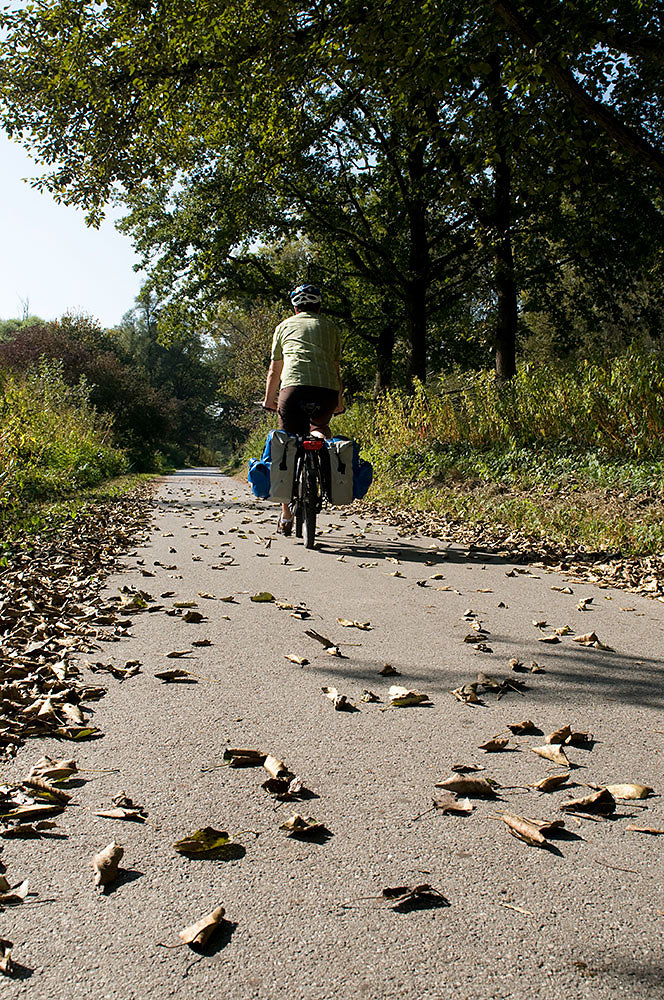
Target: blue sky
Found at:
x=50, y=258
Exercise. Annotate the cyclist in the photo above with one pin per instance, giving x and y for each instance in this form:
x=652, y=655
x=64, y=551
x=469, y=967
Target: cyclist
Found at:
x=306, y=352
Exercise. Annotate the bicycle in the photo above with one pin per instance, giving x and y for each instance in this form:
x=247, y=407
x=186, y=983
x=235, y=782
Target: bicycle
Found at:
x=310, y=481
x=310, y=485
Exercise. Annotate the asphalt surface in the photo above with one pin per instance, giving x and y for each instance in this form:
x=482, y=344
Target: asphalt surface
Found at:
x=305, y=920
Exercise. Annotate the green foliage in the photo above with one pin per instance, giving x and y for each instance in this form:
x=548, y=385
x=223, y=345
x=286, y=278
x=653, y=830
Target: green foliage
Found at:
x=616, y=408
x=52, y=441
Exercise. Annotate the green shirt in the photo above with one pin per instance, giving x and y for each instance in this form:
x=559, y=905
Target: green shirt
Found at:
x=310, y=348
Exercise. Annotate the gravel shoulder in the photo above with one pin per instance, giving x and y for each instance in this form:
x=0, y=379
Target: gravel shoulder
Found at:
x=305, y=920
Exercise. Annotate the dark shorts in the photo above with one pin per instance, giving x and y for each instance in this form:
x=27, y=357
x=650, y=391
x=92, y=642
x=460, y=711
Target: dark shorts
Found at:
x=304, y=408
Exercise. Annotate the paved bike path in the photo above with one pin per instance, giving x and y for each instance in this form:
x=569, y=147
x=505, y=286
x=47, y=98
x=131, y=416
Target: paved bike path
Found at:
x=304, y=920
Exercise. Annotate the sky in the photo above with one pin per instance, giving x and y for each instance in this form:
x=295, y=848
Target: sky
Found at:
x=50, y=259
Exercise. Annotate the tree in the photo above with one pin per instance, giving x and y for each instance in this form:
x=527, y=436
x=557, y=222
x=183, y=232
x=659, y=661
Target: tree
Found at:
x=417, y=150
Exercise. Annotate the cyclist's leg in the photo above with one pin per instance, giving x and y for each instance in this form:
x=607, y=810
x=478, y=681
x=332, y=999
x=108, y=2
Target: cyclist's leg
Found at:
x=293, y=420
x=325, y=401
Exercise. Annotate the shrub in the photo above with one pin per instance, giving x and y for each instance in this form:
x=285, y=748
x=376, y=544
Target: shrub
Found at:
x=52, y=440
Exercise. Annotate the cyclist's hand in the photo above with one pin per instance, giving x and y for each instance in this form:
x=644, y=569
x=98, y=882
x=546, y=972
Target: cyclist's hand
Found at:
x=341, y=408
x=268, y=404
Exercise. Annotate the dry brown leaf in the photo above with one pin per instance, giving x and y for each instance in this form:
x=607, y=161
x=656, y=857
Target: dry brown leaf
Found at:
x=300, y=660
x=476, y=788
x=6, y=965
x=177, y=654
x=552, y=782
x=451, y=803
x=275, y=767
x=495, y=745
x=40, y=785
x=559, y=736
x=522, y=728
x=467, y=694
x=553, y=752
x=401, y=697
x=552, y=639
x=629, y=791
x=340, y=701
x=105, y=864
x=51, y=769
x=524, y=830
x=389, y=671
x=15, y=896
x=654, y=830
x=303, y=827
x=601, y=803
x=176, y=676
x=199, y=932
x=349, y=623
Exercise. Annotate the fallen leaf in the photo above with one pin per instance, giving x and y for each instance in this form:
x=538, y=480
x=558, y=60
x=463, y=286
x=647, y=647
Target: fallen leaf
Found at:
x=51, y=769
x=523, y=728
x=629, y=791
x=401, y=697
x=15, y=896
x=199, y=932
x=239, y=757
x=559, y=735
x=451, y=803
x=601, y=803
x=302, y=828
x=6, y=965
x=524, y=830
x=263, y=597
x=495, y=745
x=275, y=767
x=177, y=654
x=300, y=660
x=176, y=677
x=208, y=842
x=389, y=671
x=553, y=752
x=552, y=782
x=30, y=811
x=340, y=701
x=553, y=639
x=476, y=788
x=105, y=864
x=349, y=623
x=467, y=694
x=654, y=830
x=369, y=696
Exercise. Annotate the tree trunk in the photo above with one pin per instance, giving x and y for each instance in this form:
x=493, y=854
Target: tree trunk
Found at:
x=416, y=324
x=504, y=277
x=419, y=267
x=384, y=360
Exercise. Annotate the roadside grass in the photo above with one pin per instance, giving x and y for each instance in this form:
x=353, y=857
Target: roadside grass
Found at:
x=53, y=443
x=569, y=455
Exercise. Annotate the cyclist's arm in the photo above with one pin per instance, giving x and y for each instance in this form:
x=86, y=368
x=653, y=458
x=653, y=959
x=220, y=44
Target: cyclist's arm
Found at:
x=272, y=385
x=341, y=406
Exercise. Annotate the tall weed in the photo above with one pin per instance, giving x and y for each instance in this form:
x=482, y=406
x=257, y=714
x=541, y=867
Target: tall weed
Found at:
x=52, y=441
x=616, y=408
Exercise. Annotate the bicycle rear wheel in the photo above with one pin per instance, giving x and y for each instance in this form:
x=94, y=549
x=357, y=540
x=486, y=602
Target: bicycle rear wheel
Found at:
x=310, y=498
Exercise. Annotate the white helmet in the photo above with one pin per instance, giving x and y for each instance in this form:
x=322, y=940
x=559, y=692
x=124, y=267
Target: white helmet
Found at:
x=305, y=295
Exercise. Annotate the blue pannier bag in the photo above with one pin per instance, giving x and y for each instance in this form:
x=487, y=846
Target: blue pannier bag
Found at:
x=273, y=474
x=350, y=475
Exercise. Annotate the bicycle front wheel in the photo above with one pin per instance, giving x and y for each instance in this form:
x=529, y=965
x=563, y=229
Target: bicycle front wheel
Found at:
x=310, y=498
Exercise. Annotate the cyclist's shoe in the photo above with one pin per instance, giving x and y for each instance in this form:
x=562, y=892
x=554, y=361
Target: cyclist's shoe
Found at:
x=284, y=527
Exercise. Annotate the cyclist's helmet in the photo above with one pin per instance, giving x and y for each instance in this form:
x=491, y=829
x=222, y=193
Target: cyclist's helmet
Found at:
x=305, y=295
